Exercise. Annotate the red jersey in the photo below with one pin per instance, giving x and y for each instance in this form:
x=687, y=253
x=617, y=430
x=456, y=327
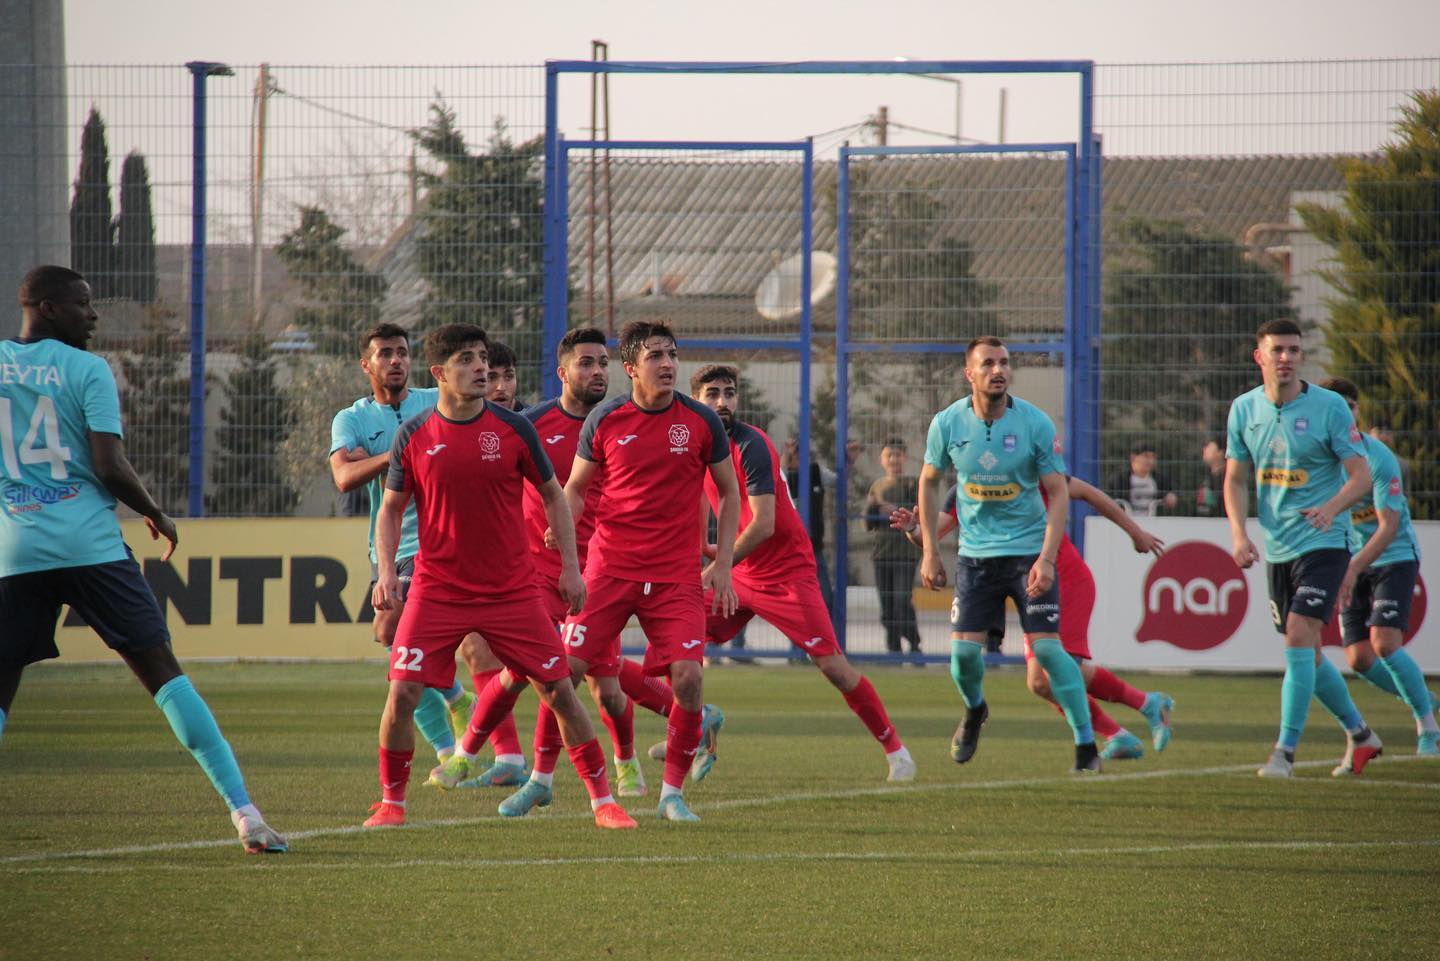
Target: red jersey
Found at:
x=785, y=554
x=1068, y=562
x=466, y=479
x=654, y=463
x=559, y=432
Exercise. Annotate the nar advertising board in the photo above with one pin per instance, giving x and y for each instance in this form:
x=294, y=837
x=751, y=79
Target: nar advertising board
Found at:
x=258, y=587
x=1195, y=608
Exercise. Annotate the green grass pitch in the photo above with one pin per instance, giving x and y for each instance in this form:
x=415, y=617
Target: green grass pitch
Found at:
x=114, y=846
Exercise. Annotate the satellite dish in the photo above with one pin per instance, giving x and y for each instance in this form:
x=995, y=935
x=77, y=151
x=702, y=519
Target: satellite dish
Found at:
x=778, y=296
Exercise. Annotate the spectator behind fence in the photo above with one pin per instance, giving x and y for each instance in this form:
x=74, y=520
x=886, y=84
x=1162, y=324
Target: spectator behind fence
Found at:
x=1210, y=495
x=1141, y=487
x=895, y=557
x=822, y=478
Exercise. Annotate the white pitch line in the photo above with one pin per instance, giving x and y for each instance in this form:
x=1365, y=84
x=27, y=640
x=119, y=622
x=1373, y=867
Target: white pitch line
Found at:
x=733, y=804
x=665, y=860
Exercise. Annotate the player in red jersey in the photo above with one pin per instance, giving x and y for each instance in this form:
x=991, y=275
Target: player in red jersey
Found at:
x=775, y=565
x=1077, y=586
x=465, y=464
x=654, y=448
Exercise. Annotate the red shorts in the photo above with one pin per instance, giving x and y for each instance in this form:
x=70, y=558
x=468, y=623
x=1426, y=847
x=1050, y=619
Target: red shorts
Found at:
x=556, y=607
x=516, y=626
x=671, y=615
x=795, y=607
x=1077, y=600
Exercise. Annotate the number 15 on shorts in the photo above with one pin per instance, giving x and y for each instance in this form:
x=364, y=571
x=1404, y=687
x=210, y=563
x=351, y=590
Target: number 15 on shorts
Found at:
x=574, y=634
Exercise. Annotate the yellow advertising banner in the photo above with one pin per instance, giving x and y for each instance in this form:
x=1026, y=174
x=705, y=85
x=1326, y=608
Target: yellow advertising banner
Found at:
x=254, y=587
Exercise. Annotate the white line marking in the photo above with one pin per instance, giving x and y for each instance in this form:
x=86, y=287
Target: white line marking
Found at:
x=734, y=804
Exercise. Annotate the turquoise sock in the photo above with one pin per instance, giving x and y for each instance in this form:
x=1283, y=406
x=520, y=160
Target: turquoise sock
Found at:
x=2, y=723
x=1295, y=693
x=432, y=718
x=967, y=669
x=452, y=695
x=1400, y=666
x=1377, y=675
x=1067, y=685
x=196, y=730
x=1331, y=691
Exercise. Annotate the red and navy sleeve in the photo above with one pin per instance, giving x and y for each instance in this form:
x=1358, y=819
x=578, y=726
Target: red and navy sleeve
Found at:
x=589, y=448
x=398, y=477
x=536, y=466
x=719, y=439
x=755, y=459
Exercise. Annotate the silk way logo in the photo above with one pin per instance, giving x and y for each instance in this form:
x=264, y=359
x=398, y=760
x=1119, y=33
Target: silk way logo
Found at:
x=489, y=442
x=988, y=460
x=1195, y=597
x=679, y=437
x=1330, y=636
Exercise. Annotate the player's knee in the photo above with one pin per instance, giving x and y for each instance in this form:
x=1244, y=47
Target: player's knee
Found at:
x=405, y=696
x=1360, y=656
x=839, y=672
x=613, y=703
x=1039, y=686
x=685, y=678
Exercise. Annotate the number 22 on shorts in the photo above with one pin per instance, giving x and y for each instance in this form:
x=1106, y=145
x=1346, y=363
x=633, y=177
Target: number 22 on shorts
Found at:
x=408, y=658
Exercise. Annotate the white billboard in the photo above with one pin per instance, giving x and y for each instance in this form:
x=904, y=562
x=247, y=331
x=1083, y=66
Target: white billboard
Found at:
x=1194, y=608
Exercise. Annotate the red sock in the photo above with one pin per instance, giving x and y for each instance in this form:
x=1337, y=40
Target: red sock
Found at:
x=1103, y=723
x=505, y=739
x=547, y=740
x=682, y=737
x=394, y=775
x=1108, y=687
x=868, y=708
x=648, y=692
x=589, y=761
x=622, y=730
x=492, y=705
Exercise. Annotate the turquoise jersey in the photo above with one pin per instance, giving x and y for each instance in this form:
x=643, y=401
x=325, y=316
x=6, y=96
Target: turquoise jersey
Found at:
x=1297, y=450
x=374, y=426
x=998, y=466
x=1386, y=491
x=56, y=513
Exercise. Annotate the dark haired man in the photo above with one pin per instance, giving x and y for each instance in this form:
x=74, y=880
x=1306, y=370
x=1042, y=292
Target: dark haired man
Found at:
x=465, y=464
x=62, y=469
x=1309, y=471
x=775, y=567
x=1003, y=450
x=502, y=383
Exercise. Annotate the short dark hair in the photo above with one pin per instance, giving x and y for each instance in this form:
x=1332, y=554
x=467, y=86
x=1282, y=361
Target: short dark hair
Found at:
x=46, y=282
x=501, y=355
x=442, y=342
x=1142, y=447
x=894, y=441
x=634, y=334
x=1345, y=388
x=573, y=338
x=987, y=340
x=1280, y=326
x=382, y=331
x=711, y=373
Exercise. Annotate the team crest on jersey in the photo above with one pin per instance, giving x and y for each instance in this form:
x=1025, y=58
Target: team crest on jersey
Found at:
x=490, y=445
x=679, y=439
x=988, y=460
x=1302, y=424
x=1009, y=441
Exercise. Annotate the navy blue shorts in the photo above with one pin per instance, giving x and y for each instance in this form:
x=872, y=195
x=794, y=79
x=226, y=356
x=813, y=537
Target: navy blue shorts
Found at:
x=1381, y=598
x=983, y=583
x=404, y=571
x=1307, y=585
x=112, y=598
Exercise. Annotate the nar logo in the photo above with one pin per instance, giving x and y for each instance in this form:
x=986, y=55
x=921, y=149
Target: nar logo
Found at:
x=690, y=645
x=435, y=450
x=555, y=440
x=626, y=439
x=1383, y=609
x=550, y=663
x=988, y=460
x=1194, y=597
x=679, y=438
x=489, y=444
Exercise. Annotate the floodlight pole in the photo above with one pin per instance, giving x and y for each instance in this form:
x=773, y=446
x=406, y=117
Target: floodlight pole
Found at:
x=199, y=71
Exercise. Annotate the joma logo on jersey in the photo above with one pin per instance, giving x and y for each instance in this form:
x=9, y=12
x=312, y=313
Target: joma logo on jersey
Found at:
x=489, y=445
x=679, y=438
x=1005, y=492
x=555, y=439
x=1280, y=477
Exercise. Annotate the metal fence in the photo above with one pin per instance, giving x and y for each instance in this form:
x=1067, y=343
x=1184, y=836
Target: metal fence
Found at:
x=342, y=195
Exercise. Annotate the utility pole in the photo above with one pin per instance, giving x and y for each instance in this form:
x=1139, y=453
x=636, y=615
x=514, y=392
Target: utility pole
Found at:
x=882, y=126
x=1001, y=137
x=257, y=198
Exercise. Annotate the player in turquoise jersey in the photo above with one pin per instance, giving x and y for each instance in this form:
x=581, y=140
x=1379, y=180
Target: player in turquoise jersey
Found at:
x=62, y=469
x=360, y=439
x=1309, y=471
x=1003, y=450
x=1380, y=584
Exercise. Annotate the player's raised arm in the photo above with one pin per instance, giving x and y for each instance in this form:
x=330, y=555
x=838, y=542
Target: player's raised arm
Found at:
x=113, y=468
x=1106, y=507
x=352, y=468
